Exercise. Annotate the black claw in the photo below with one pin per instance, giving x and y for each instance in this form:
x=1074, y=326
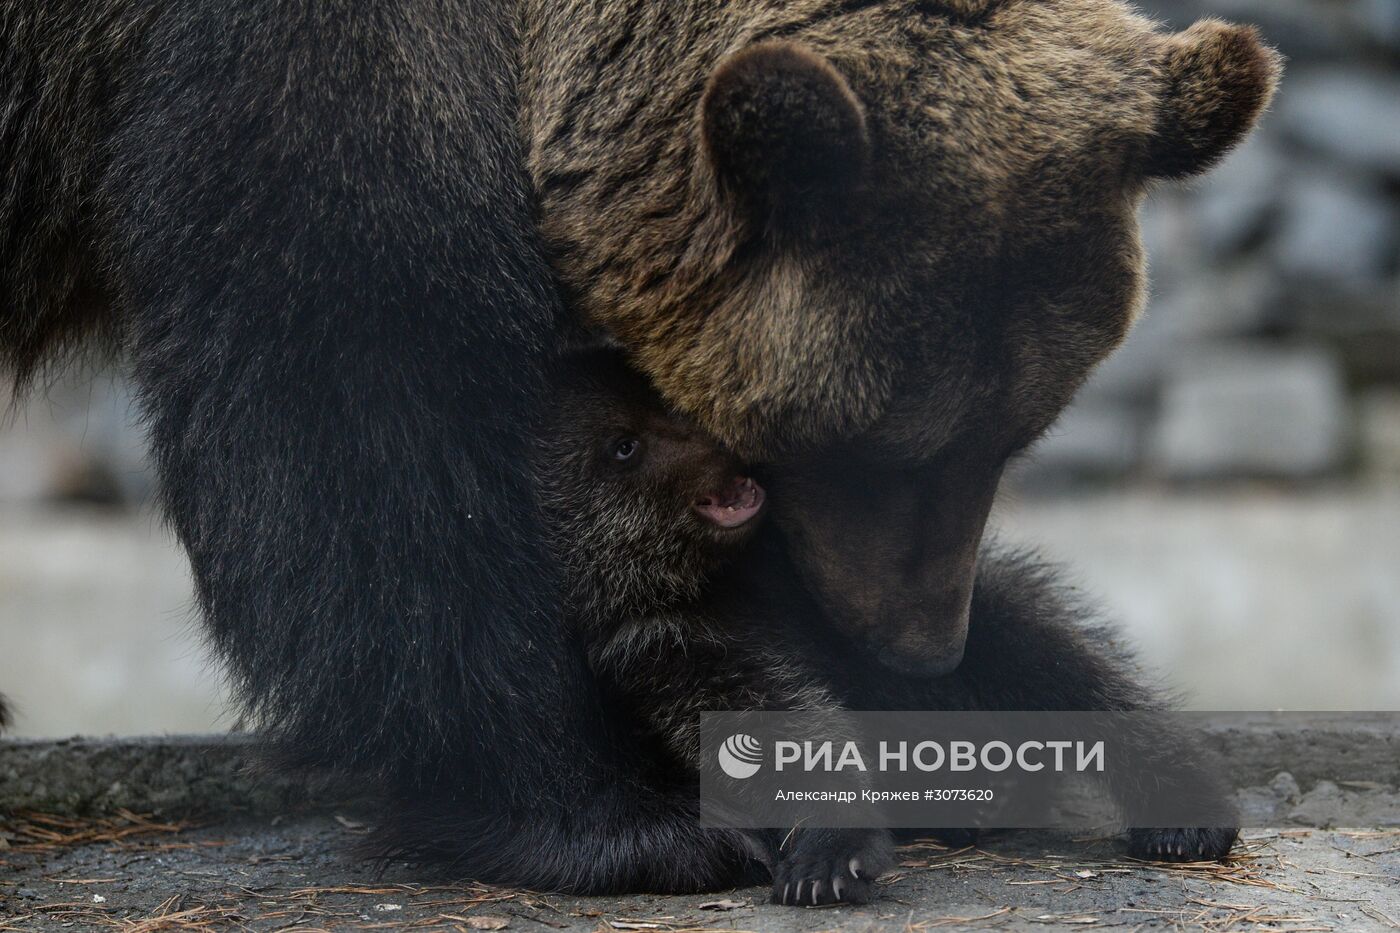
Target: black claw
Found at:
x=1181, y=845
x=838, y=864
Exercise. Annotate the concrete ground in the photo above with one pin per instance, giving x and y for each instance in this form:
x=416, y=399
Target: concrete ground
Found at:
x=80, y=849
x=293, y=873
x=1248, y=598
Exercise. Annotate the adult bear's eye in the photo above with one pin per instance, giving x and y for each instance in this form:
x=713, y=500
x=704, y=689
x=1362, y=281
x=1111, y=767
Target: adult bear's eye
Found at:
x=626, y=449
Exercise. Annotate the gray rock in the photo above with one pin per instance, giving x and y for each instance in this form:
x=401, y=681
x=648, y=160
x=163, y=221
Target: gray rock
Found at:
x=1301, y=29
x=1252, y=411
x=1336, y=230
x=1361, y=324
x=1092, y=439
x=1379, y=20
x=39, y=460
x=1258, y=806
x=75, y=439
x=1234, y=303
x=1379, y=418
x=1134, y=371
x=1371, y=358
x=1285, y=787
x=1358, y=310
x=1171, y=237
x=1238, y=302
x=1351, y=114
x=1269, y=804
x=1321, y=806
x=1353, y=803
x=1235, y=204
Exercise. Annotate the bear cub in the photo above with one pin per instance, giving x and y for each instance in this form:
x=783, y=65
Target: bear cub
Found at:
x=684, y=607
x=648, y=516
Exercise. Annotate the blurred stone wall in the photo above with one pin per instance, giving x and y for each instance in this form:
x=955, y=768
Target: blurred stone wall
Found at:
x=1271, y=346
x=75, y=438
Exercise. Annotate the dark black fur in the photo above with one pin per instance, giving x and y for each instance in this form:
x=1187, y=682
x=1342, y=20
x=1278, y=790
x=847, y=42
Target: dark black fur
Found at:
x=1034, y=645
x=310, y=225
x=680, y=619
x=672, y=623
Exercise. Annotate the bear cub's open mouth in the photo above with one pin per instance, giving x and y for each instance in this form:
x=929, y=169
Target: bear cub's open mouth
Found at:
x=734, y=505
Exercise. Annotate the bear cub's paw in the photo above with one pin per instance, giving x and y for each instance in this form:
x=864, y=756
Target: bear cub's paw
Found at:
x=830, y=866
x=1181, y=845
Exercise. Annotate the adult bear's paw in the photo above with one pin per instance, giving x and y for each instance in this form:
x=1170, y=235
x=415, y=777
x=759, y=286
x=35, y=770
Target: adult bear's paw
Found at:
x=1182, y=845
x=829, y=866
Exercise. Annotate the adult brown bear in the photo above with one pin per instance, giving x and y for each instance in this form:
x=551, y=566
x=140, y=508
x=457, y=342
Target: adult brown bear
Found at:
x=880, y=242
x=891, y=235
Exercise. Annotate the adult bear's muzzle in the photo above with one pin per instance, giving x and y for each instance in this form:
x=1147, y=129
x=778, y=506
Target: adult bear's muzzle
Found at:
x=890, y=553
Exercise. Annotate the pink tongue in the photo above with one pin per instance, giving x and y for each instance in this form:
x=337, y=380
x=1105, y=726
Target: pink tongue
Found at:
x=734, y=506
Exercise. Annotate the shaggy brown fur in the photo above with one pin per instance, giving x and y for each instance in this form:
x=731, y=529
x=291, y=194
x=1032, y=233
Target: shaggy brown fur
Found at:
x=904, y=228
x=669, y=631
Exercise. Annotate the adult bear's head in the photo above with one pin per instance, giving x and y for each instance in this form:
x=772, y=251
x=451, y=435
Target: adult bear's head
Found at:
x=878, y=244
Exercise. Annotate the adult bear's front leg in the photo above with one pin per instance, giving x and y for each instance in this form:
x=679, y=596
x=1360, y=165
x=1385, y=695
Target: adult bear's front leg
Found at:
x=1031, y=646
x=340, y=320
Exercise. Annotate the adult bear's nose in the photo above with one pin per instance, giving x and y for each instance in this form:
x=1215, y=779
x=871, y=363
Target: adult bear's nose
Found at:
x=891, y=553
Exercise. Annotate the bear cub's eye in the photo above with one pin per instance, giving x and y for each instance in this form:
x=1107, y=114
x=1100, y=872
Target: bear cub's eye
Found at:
x=626, y=449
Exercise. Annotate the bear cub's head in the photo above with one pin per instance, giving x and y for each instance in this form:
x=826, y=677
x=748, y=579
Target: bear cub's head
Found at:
x=641, y=505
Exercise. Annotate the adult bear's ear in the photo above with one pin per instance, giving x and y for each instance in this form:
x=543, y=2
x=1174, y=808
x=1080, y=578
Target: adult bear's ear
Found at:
x=1219, y=78
x=783, y=131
